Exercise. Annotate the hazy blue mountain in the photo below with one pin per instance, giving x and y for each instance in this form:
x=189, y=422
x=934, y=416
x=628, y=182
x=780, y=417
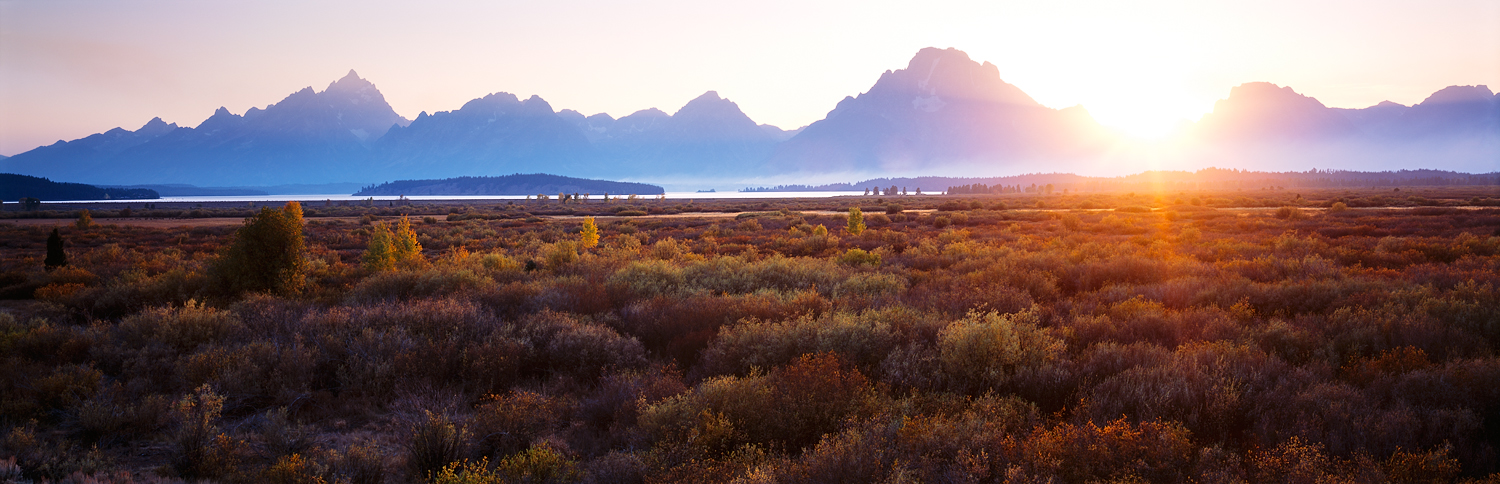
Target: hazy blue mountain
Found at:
x=309, y=137
x=1261, y=111
x=942, y=110
x=1457, y=127
x=708, y=135
x=1454, y=111
x=943, y=113
x=64, y=159
x=492, y=135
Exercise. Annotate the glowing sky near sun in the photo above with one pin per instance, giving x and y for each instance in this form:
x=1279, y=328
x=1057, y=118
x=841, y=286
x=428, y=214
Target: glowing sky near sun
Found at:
x=69, y=68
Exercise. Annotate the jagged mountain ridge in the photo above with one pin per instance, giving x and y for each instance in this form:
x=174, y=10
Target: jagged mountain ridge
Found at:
x=943, y=110
x=307, y=135
x=709, y=134
x=1457, y=126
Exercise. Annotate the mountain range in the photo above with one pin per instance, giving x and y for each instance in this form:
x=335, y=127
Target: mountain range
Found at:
x=944, y=112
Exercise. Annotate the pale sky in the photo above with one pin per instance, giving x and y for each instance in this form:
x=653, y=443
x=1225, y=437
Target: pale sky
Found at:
x=70, y=68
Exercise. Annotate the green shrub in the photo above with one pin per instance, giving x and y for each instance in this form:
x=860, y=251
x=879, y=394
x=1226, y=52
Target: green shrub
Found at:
x=267, y=253
x=857, y=256
x=989, y=350
x=862, y=339
x=1290, y=213
x=649, y=278
x=871, y=287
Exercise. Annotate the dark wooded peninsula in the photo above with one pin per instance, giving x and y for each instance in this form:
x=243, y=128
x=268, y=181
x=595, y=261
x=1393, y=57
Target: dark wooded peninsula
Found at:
x=16, y=187
x=517, y=184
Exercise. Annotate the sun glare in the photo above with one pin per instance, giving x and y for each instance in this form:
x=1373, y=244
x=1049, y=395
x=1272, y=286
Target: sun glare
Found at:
x=1142, y=123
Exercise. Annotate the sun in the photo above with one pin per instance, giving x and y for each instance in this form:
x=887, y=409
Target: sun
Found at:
x=1143, y=120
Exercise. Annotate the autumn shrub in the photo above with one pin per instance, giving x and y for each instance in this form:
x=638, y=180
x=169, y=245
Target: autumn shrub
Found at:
x=735, y=275
x=507, y=424
x=567, y=345
x=200, y=449
x=39, y=456
x=112, y=413
x=283, y=436
x=540, y=464
x=813, y=396
x=935, y=440
x=1290, y=213
x=293, y=469
x=679, y=328
x=869, y=289
x=956, y=297
x=432, y=442
x=560, y=254
x=405, y=285
x=858, y=338
x=990, y=350
x=359, y=463
x=1119, y=451
x=615, y=467
x=510, y=300
x=605, y=417
x=259, y=372
x=180, y=328
x=1208, y=387
x=645, y=279
x=133, y=291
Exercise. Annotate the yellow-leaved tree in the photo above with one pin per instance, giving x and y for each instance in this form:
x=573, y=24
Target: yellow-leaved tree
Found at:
x=391, y=249
x=589, y=235
x=856, y=221
x=404, y=244
x=379, y=253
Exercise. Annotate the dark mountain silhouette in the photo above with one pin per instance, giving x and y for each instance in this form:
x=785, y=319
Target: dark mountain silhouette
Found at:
x=943, y=109
x=518, y=184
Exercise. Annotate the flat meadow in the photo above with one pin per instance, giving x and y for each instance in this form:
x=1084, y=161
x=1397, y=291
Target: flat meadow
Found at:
x=1322, y=335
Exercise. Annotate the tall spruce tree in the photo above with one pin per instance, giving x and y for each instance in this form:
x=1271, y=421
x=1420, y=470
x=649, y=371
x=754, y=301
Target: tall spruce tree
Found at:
x=55, y=256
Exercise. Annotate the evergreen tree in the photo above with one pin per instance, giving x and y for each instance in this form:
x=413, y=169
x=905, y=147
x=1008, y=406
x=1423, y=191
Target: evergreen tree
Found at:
x=55, y=256
x=267, y=253
x=856, y=221
x=589, y=235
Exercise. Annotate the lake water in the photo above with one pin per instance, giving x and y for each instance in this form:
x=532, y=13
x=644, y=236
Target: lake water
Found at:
x=346, y=197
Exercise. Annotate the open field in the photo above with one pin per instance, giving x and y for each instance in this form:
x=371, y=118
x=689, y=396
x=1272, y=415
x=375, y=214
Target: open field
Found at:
x=1255, y=336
